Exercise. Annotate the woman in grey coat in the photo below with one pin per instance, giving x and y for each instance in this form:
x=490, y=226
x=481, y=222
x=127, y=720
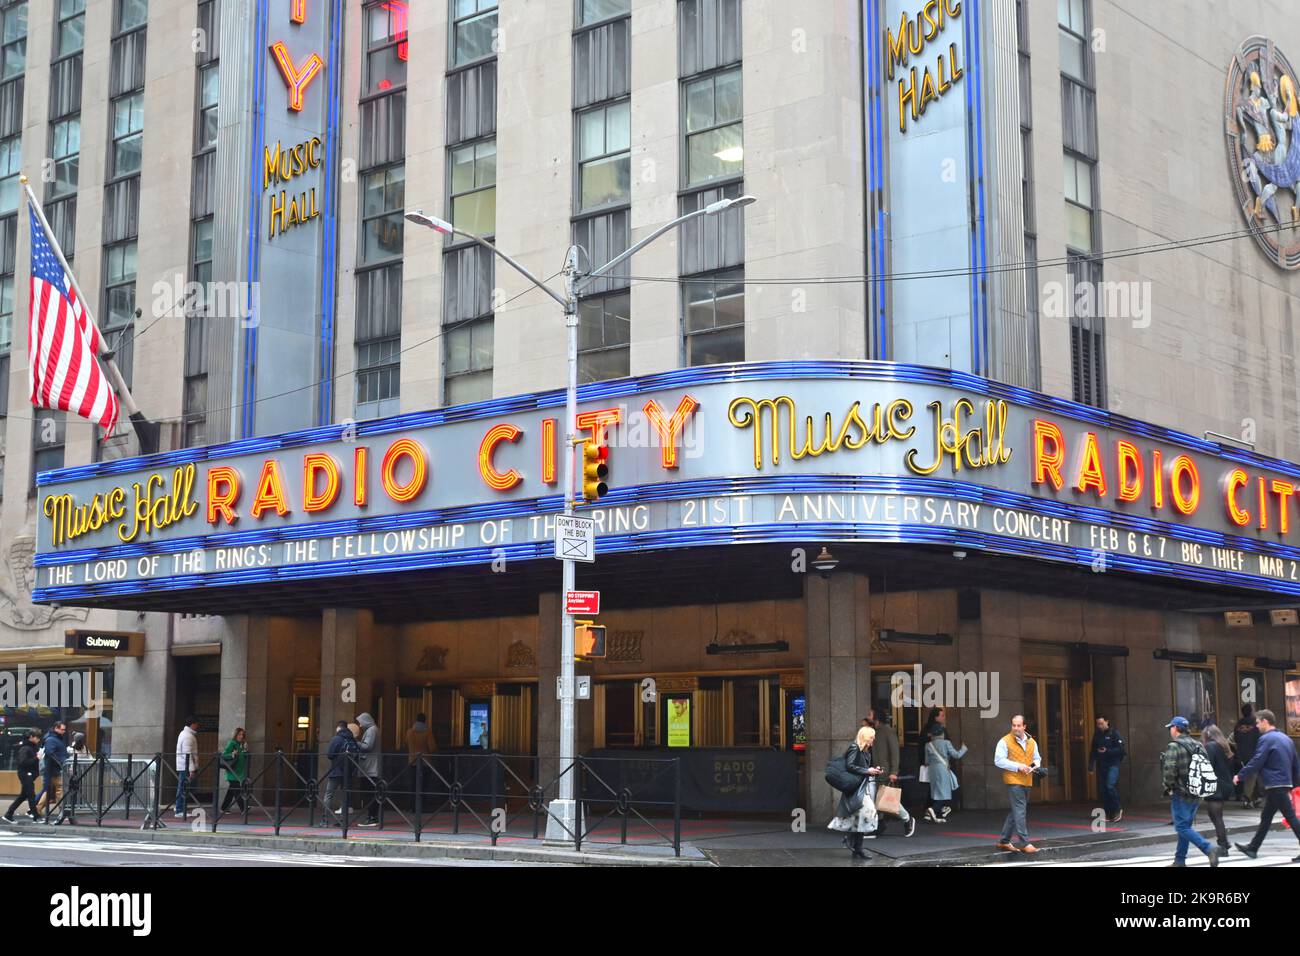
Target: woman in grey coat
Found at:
x=368, y=763
x=939, y=755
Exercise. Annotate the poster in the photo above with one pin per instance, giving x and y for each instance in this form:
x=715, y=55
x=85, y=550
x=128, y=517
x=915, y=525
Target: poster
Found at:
x=679, y=722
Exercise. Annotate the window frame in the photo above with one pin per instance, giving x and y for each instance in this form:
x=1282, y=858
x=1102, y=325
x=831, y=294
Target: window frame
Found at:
x=1066, y=31
x=118, y=8
x=8, y=151
x=115, y=175
x=395, y=42
x=365, y=219
x=1077, y=160
x=201, y=112
x=455, y=23
x=452, y=196
x=51, y=193
x=479, y=322
x=61, y=445
x=5, y=48
x=687, y=134
x=605, y=349
x=580, y=164
x=579, y=24
x=1211, y=666
x=60, y=21
x=731, y=273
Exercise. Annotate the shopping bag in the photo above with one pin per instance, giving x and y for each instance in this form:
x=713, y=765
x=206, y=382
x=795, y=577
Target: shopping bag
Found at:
x=889, y=799
x=1295, y=805
x=923, y=775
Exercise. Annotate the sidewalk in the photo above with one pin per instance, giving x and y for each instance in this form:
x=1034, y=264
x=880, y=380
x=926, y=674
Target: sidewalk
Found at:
x=1059, y=831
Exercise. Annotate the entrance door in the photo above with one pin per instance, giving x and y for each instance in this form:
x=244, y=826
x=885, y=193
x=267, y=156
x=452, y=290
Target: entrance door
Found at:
x=1058, y=714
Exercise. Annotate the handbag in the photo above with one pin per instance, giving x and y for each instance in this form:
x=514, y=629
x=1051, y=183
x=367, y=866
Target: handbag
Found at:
x=840, y=777
x=889, y=799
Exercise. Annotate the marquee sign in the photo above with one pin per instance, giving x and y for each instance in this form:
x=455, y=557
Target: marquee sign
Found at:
x=824, y=451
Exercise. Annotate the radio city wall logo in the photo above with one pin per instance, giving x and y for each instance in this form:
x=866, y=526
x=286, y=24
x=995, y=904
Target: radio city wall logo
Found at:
x=1262, y=116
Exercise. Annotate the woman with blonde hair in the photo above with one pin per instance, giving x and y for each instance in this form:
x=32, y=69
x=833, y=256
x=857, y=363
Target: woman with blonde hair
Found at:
x=855, y=813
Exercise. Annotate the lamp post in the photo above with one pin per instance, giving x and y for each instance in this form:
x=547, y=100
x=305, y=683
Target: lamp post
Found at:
x=562, y=817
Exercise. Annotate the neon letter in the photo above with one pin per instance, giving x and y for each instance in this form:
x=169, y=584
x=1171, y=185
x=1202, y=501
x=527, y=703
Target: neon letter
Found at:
x=670, y=429
x=223, y=492
x=1048, y=461
x=500, y=481
x=319, y=464
x=295, y=78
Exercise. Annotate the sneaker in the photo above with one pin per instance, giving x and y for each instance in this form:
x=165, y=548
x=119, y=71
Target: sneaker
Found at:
x=8, y=818
x=1214, y=854
x=369, y=823
x=910, y=827
x=1177, y=864
x=1009, y=847
x=1119, y=815
x=872, y=835
x=178, y=816
x=1224, y=849
x=1246, y=850
x=1029, y=848
x=946, y=811
x=929, y=815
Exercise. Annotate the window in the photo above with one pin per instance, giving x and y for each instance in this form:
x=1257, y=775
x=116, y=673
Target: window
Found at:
x=604, y=334
x=473, y=29
x=1196, y=695
x=119, y=296
x=13, y=56
x=1072, y=17
x=715, y=318
x=378, y=341
x=72, y=27
x=209, y=87
x=1293, y=704
x=195, y=398
x=1087, y=330
x=1078, y=203
x=469, y=362
x=383, y=200
x=201, y=256
x=49, y=432
x=388, y=48
x=11, y=161
x=473, y=187
x=714, y=137
x=65, y=149
x=131, y=14
x=594, y=11
x=128, y=133
x=604, y=156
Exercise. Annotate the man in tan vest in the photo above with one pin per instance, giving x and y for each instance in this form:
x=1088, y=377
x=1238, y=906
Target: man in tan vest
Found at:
x=1018, y=757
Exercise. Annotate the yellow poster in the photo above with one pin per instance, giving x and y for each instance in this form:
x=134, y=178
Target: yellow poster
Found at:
x=679, y=722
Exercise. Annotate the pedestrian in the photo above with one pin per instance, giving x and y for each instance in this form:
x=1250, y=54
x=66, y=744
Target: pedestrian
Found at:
x=1018, y=756
x=939, y=754
x=1245, y=737
x=28, y=768
x=420, y=743
x=1105, y=756
x=234, y=758
x=935, y=723
x=1179, y=755
x=1219, y=749
x=855, y=812
x=368, y=746
x=341, y=745
x=1278, y=767
x=56, y=754
x=885, y=754
x=187, y=762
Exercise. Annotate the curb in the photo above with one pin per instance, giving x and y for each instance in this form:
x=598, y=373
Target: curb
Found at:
x=430, y=850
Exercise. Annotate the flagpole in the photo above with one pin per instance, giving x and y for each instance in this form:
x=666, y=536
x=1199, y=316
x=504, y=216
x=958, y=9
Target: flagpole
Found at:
x=145, y=430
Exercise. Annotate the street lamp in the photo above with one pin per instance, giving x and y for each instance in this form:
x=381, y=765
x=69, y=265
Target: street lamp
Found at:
x=561, y=814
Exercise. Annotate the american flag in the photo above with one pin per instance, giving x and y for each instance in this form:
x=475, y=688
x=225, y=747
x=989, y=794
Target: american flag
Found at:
x=63, y=343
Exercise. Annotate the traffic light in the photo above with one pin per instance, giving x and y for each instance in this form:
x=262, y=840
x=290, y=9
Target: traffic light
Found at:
x=594, y=470
x=589, y=640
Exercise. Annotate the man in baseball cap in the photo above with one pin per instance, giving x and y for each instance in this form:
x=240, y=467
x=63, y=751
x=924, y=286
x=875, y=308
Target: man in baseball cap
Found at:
x=1176, y=761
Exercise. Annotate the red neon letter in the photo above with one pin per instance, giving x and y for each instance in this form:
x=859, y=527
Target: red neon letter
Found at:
x=597, y=421
x=1049, y=453
x=500, y=481
x=1185, y=503
x=670, y=429
x=1130, y=471
x=270, y=491
x=1090, y=473
x=1284, y=490
x=1236, y=478
x=319, y=464
x=404, y=448
x=1157, y=481
x=295, y=78
x=398, y=9
x=359, y=476
x=223, y=492
x=548, y=451
x=298, y=11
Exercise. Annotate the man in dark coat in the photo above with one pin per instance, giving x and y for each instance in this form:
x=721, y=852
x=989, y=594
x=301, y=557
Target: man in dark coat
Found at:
x=1245, y=738
x=1105, y=756
x=340, y=744
x=886, y=753
x=28, y=768
x=1278, y=766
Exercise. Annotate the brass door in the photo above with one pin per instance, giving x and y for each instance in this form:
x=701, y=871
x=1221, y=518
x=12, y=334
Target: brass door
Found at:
x=1058, y=715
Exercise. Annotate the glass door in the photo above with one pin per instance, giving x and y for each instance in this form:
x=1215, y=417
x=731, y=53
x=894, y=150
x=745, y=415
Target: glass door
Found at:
x=1058, y=714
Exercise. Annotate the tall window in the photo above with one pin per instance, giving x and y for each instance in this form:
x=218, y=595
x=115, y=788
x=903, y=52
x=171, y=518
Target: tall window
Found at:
x=715, y=318
x=715, y=141
x=605, y=155
x=470, y=355
x=604, y=337
x=378, y=332
x=1078, y=203
x=194, y=401
x=71, y=31
x=209, y=89
x=131, y=14
x=128, y=134
x=595, y=11
x=13, y=54
x=473, y=30
x=1071, y=15
x=474, y=187
x=119, y=294
x=65, y=150
x=11, y=157
x=49, y=434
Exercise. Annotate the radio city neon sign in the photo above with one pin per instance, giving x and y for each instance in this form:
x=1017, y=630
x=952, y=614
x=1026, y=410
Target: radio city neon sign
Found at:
x=299, y=76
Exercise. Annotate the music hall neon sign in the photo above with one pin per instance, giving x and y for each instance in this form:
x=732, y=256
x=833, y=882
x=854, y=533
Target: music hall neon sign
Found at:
x=297, y=77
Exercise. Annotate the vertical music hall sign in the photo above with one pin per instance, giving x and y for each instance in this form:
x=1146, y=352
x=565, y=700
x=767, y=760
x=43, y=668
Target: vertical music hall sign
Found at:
x=292, y=230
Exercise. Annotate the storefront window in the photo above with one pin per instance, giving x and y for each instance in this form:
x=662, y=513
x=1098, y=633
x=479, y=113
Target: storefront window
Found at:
x=1293, y=704
x=1195, y=694
x=80, y=697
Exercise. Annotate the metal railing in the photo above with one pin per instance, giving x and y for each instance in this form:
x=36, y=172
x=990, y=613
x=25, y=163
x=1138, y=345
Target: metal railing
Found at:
x=461, y=793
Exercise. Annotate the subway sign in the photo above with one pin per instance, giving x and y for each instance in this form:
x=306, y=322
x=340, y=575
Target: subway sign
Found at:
x=772, y=452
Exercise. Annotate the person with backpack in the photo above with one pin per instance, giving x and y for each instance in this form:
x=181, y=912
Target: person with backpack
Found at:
x=1219, y=749
x=1188, y=778
x=28, y=768
x=234, y=760
x=341, y=744
x=1278, y=766
x=851, y=774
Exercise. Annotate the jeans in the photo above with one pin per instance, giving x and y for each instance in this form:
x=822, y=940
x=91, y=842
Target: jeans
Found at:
x=1183, y=809
x=182, y=779
x=1276, y=800
x=29, y=794
x=1018, y=816
x=333, y=784
x=1107, y=781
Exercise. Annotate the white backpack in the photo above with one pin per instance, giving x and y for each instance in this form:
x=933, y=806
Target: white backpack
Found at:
x=1202, y=781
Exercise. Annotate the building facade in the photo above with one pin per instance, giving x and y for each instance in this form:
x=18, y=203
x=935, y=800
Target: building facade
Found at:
x=980, y=201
